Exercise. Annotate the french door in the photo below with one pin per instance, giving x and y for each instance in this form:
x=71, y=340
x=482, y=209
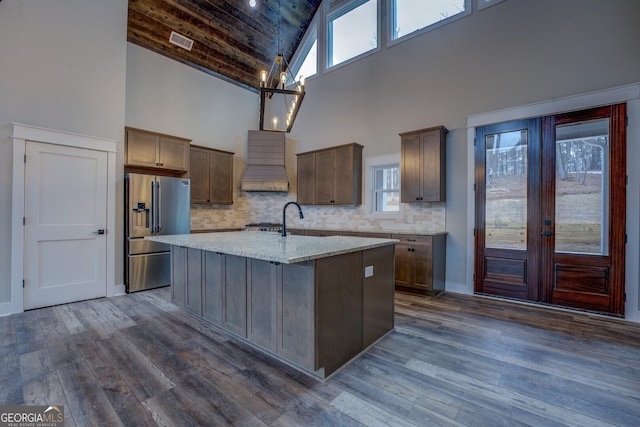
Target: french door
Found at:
x=550, y=209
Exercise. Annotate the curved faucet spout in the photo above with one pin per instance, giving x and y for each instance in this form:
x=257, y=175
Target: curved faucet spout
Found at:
x=284, y=216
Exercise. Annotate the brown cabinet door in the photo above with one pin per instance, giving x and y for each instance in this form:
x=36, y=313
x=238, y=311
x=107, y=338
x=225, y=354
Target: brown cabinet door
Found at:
x=142, y=148
x=410, y=169
x=325, y=177
x=422, y=166
x=173, y=153
x=422, y=267
x=220, y=178
x=262, y=285
x=404, y=265
x=193, y=300
x=306, y=179
x=430, y=146
x=214, y=264
x=348, y=175
x=199, y=174
x=296, y=316
x=178, y=275
x=235, y=295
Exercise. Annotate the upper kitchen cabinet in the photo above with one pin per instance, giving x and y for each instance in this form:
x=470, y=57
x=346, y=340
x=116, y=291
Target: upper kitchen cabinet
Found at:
x=331, y=176
x=211, y=176
x=157, y=151
x=422, y=167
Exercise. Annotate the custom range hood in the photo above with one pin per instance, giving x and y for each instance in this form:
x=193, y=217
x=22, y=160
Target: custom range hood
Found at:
x=265, y=170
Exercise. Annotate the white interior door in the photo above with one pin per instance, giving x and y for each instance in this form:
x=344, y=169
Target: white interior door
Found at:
x=65, y=207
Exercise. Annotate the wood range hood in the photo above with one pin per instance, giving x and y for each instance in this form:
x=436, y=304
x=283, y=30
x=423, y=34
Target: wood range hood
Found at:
x=265, y=169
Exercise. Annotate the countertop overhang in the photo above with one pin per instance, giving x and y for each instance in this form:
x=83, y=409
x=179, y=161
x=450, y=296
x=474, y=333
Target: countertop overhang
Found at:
x=271, y=246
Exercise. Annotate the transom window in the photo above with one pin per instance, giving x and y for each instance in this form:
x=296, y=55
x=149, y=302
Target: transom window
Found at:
x=409, y=16
x=353, y=31
x=309, y=65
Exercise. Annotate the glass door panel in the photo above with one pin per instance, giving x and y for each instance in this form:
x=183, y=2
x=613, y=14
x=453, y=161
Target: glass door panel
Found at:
x=582, y=187
x=506, y=190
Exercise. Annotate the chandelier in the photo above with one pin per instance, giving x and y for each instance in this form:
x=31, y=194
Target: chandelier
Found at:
x=278, y=105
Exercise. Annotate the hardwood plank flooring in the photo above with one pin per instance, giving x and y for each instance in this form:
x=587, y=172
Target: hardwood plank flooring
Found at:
x=452, y=360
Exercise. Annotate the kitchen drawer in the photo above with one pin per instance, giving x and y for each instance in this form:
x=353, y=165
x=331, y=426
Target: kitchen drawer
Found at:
x=411, y=239
x=367, y=234
x=322, y=233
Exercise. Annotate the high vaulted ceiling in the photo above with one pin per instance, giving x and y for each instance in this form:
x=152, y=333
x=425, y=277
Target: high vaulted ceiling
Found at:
x=231, y=39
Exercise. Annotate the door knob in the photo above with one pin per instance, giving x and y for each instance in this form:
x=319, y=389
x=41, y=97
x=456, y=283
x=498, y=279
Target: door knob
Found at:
x=101, y=231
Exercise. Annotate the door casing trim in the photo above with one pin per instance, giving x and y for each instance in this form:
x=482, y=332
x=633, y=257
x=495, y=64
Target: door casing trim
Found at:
x=627, y=93
x=20, y=135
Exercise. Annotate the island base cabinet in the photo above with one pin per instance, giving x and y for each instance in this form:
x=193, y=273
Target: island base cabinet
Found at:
x=296, y=317
x=186, y=279
x=339, y=309
x=263, y=279
x=316, y=315
x=234, y=296
x=214, y=273
x=378, y=293
x=178, y=275
x=280, y=315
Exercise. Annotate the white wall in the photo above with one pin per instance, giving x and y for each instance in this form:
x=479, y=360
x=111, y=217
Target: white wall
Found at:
x=62, y=66
x=167, y=96
x=514, y=53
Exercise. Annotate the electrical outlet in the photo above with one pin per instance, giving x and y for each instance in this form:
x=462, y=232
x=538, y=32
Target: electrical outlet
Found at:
x=368, y=271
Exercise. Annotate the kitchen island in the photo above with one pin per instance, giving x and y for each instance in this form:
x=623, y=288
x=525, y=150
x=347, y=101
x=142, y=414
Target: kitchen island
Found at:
x=312, y=302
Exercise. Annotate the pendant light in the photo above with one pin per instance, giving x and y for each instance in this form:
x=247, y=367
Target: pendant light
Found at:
x=278, y=105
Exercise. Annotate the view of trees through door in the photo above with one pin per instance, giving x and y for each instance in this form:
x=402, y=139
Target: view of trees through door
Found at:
x=550, y=208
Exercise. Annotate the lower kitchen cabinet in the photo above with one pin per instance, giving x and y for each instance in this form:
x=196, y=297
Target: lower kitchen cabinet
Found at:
x=317, y=315
x=186, y=275
x=212, y=286
x=420, y=263
x=280, y=313
x=234, y=295
x=193, y=296
x=377, y=317
x=263, y=280
x=178, y=275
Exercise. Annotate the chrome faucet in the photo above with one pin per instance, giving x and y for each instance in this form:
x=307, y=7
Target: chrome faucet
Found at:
x=284, y=216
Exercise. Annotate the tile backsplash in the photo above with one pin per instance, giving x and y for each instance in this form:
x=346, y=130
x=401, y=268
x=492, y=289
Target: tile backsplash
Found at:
x=267, y=207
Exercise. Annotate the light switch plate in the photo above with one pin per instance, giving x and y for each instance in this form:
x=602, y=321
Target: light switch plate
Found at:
x=368, y=271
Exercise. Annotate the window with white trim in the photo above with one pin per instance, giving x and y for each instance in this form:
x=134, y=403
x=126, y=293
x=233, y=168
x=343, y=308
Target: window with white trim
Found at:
x=386, y=188
x=353, y=30
x=382, y=186
x=410, y=16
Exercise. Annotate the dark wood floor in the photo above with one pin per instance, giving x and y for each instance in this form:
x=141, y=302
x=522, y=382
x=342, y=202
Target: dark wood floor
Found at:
x=452, y=360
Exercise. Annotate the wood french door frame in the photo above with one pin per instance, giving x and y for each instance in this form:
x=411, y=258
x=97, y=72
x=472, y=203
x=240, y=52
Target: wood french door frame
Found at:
x=537, y=272
x=594, y=282
x=500, y=271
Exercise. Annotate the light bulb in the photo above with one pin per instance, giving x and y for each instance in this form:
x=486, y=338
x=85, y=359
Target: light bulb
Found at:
x=274, y=120
x=283, y=79
x=263, y=77
x=252, y=3
x=302, y=80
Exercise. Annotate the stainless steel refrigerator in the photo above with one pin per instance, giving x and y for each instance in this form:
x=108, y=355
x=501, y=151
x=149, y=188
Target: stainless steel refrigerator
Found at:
x=155, y=205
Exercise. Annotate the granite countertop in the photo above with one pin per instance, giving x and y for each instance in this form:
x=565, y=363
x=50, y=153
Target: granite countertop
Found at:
x=271, y=246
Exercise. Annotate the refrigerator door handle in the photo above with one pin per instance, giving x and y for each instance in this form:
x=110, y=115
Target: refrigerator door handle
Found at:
x=152, y=212
x=159, y=223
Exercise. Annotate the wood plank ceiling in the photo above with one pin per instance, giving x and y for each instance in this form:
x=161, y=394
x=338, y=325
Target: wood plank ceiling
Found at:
x=232, y=40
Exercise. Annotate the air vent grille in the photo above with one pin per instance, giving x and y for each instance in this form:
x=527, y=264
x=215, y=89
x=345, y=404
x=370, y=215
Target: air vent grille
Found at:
x=181, y=41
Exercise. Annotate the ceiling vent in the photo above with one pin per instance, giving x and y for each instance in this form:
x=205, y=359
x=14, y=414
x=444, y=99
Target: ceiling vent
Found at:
x=265, y=170
x=181, y=41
